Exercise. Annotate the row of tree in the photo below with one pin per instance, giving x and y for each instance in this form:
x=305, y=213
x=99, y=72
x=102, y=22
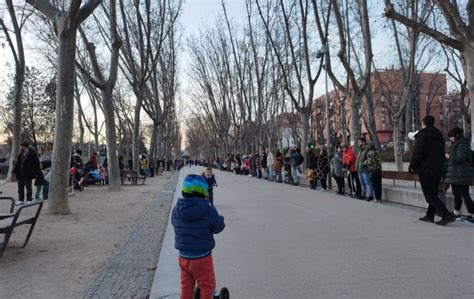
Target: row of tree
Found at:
x=245, y=76
x=118, y=57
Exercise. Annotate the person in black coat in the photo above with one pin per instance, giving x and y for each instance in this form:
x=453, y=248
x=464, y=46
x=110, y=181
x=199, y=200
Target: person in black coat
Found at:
x=460, y=173
x=428, y=161
x=322, y=168
x=26, y=169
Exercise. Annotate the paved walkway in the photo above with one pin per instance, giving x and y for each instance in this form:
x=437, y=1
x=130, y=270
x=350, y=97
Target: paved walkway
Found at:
x=291, y=242
x=128, y=273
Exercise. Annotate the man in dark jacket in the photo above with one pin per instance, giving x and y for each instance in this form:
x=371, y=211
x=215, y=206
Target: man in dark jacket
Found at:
x=195, y=222
x=428, y=161
x=26, y=169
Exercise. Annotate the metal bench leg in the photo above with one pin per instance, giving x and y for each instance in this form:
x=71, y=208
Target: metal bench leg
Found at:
x=29, y=233
x=5, y=242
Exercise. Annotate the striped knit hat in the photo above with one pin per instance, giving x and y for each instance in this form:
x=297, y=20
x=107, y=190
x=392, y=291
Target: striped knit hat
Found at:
x=195, y=185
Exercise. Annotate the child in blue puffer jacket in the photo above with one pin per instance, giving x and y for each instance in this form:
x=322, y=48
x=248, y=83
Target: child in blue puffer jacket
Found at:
x=195, y=222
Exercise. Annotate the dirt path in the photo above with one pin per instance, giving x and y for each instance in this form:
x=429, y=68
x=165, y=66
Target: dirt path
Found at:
x=66, y=253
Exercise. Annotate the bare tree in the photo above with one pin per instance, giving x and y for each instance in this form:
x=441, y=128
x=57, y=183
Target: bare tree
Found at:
x=460, y=24
x=357, y=87
x=106, y=87
x=455, y=72
x=16, y=47
x=411, y=48
x=66, y=22
x=143, y=29
x=297, y=61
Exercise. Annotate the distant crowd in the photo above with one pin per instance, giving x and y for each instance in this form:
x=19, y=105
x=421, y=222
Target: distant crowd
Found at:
x=360, y=174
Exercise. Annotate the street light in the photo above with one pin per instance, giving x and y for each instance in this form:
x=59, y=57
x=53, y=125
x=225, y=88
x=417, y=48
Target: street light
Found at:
x=323, y=53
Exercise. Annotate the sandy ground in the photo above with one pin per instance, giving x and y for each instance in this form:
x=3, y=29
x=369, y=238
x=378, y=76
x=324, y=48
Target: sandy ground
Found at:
x=66, y=253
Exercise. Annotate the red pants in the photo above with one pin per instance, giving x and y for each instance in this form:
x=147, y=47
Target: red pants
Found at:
x=200, y=270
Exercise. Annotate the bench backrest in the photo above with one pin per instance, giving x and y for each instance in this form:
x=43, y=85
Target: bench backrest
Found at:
x=400, y=175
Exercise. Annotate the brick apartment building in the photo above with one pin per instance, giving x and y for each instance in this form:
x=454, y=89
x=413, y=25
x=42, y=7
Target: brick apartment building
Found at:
x=387, y=91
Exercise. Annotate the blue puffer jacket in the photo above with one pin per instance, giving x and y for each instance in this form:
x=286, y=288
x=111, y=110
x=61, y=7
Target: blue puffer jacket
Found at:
x=195, y=221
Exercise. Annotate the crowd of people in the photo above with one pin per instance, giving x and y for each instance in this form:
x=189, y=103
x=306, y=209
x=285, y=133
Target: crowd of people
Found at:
x=363, y=171
x=359, y=174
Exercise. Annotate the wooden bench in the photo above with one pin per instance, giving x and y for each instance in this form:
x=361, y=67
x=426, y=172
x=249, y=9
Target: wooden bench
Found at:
x=400, y=176
x=9, y=221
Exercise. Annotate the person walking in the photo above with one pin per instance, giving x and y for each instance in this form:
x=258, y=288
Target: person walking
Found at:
x=211, y=183
x=428, y=161
x=460, y=173
x=374, y=165
x=277, y=166
x=349, y=162
x=338, y=172
x=363, y=171
x=26, y=169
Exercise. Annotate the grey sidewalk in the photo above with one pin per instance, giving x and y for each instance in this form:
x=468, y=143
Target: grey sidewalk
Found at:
x=282, y=241
x=127, y=274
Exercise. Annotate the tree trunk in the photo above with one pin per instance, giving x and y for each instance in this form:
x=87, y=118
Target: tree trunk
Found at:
x=58, y=198
x=372, y=128
x=136, y=131
x=408, y=122
x=343, y=121
x=305, y=117
x=111, y=139
x=469, y=71
x=153, y=148
x=79, y=118
x=355, y=125
x=19, y=79
x=96, y=132
x=396, y=145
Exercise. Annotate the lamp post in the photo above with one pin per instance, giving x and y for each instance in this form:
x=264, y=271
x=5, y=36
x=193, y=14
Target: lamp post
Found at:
x=324, y=53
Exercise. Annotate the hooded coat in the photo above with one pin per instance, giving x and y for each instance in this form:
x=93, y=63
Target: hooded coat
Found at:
x=460, y=170
x=428, y=153
x=195, y=222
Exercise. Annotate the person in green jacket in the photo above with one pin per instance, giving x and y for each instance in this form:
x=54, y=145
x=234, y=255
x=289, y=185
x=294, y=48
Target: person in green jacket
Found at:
x=363, y=171
x=460, y=173
x=374, y=164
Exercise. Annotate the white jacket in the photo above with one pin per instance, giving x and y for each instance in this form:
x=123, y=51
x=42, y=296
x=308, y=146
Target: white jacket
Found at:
x=270, y=160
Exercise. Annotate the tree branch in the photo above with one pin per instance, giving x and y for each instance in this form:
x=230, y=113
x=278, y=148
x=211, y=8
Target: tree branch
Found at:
x=87, y=9
x=45, y=8
x=440, y=37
